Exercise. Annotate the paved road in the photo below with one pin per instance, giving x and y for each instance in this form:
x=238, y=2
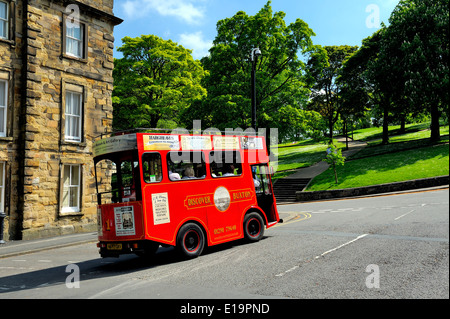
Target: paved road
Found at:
x=378, y=247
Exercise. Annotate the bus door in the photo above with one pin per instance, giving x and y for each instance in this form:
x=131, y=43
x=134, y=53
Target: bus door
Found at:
x=129, y=179
x=263, y=189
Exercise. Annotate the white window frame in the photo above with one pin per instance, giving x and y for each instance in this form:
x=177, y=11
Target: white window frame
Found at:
x=4, y=109
x=70, y=117
x=68, y=187
x=5, y=22
x=70, y=39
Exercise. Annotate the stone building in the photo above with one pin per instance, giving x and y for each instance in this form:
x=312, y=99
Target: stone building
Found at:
x=56, y=62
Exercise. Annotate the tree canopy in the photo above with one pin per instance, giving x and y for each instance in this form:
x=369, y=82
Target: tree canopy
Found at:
x=402, y=69
x=281, y=87
x=404, y=66
x=325, y=66
x=420, y=29
x=155, y=80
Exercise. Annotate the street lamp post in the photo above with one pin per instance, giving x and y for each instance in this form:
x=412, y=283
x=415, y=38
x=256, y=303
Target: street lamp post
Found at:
x=254, y=57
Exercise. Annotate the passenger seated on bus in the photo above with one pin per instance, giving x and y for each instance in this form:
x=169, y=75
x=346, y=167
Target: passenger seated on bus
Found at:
x=200, y=171
x=188, y=173
x=229, y=170
x=174, y=176
x=256, y=181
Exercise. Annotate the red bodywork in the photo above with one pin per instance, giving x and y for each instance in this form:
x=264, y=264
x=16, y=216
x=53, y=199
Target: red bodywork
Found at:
x=167, y=205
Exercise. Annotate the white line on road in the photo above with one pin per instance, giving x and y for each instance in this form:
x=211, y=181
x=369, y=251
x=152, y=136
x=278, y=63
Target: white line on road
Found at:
x=404, y=215
x=343, y=245
x=321, y=255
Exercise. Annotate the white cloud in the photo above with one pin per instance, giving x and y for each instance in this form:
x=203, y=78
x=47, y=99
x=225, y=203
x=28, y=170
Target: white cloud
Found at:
x=190, y=11
x=195, y=42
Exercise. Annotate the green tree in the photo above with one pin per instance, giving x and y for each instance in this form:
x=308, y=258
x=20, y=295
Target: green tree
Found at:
x=419, y=30
x=334, y=158
x=155, y=80
x=375, y=70
x=325, y=97
x=360, y=77
x=280, y=84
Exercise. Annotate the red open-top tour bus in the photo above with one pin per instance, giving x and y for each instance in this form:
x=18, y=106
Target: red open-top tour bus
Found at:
x=181, y=190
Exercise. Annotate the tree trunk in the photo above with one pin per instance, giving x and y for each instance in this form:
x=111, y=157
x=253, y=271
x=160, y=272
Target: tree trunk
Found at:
x=403, y=124
x=435, y=130
x=335, y=174
x=346, y=134
x=385, y=126
x=330, y=127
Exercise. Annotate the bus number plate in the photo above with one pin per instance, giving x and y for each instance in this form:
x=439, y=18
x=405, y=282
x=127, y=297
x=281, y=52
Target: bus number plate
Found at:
x=114, y=246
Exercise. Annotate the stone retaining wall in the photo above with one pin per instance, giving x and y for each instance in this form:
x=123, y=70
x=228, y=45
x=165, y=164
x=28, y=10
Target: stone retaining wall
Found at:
x=375, y=189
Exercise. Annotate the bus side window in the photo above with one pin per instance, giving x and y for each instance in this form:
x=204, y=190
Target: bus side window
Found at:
x=152, y=167
x=225, y=163
x=186, y=165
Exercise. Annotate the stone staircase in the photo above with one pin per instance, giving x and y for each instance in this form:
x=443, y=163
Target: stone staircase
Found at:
x=285, y=188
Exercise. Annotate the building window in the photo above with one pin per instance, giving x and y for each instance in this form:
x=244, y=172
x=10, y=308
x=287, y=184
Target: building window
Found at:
x=75, y=38
x=4, y=17
x=73, y=115
x=2, y=186
x=3, y=106
x=71, y=189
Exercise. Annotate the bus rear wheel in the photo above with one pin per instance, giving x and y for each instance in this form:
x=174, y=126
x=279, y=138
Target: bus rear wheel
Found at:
x=253, y=227
x=190, y=240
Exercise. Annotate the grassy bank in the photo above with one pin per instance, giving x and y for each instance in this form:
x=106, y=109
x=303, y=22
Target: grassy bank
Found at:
x=412, y=164
x=408, y=156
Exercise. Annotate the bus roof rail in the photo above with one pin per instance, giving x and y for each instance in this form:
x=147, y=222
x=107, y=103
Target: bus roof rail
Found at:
x=234, y=132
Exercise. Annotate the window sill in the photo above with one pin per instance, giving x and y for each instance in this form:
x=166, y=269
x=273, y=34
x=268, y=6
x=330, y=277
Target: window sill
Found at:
x=70, y=213
x=73, y=143
x=6, y=139
x=72, y=57
x=10, y=42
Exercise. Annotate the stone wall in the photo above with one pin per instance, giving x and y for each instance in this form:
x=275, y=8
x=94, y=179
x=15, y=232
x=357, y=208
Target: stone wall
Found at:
x=372, y=190
x=38, y=146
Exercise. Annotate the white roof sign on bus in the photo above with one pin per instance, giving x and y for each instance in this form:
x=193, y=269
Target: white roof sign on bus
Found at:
x=115, y=144
x=161, y=142
x=171, y=142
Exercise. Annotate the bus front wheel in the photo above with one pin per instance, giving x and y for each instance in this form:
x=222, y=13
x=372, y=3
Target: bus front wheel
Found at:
x=190, y=240
x=253, y=227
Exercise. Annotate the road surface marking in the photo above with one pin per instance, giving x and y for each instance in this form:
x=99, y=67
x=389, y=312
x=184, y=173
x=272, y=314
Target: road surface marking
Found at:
x=404, y=215
x=323, y=254
x=300, y=217
x=343, y=245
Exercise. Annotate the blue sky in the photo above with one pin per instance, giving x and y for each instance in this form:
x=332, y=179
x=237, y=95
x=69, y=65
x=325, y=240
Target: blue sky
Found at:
x=192, y=23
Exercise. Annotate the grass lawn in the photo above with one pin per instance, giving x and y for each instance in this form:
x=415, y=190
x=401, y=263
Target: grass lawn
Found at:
x=406, y=165
x=408, y=156
x=298, y=155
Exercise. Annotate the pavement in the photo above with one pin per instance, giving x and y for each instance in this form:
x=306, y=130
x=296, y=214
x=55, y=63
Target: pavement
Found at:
x=21, y=247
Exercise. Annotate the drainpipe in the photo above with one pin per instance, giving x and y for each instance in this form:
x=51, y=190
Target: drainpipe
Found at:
x=2, y=219
x=22, y=124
